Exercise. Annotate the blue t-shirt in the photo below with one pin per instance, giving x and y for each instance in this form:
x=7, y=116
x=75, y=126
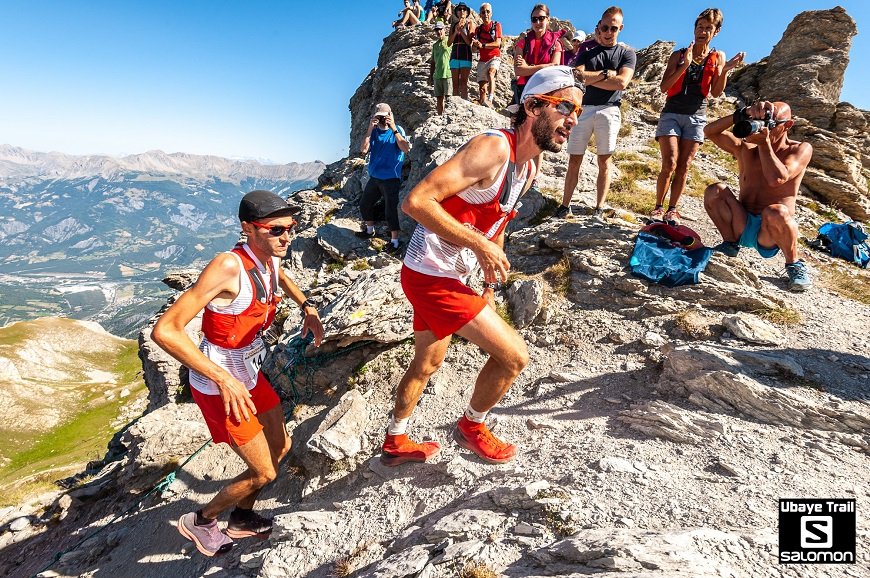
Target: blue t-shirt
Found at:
x=385, y=156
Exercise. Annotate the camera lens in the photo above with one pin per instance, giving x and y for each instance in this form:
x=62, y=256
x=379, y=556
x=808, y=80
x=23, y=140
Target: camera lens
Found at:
x=744, y=128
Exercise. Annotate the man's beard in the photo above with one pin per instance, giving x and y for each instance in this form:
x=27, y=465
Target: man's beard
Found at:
x=542, y=131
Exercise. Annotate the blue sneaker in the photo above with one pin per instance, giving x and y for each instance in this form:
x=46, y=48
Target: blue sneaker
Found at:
x=798, y=276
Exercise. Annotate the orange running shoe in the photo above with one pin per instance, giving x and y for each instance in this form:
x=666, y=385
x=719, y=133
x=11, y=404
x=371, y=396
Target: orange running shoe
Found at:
x=477, y=438
x=399, y=449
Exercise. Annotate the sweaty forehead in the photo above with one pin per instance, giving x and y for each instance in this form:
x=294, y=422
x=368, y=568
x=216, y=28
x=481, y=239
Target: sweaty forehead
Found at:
x=614, y=19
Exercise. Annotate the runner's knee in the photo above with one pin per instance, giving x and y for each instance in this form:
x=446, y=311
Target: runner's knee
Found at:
x=263, y=477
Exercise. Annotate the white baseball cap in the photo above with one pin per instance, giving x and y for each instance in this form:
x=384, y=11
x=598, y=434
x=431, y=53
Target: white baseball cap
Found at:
x=550, y=79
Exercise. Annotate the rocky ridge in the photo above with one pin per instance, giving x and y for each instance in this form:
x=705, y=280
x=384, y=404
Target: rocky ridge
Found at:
x=657, y=427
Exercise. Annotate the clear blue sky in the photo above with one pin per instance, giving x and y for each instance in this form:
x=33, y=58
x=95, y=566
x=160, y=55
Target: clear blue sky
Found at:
x=271, y=80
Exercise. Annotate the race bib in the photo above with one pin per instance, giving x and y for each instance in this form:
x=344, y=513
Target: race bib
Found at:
x=254, y=360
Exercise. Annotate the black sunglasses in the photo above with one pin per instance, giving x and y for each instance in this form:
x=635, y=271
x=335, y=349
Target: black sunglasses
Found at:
x=276, y=230
x=605, y=28
x=539, y=18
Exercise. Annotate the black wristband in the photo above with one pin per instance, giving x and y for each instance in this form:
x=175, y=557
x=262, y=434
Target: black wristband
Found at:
x=496, y=285
x=306, y=303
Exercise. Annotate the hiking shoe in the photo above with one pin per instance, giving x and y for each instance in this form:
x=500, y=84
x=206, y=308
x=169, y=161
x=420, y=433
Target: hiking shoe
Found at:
x=477, y=438
x=563, y=212
x=398, y=449
x=393, y=249
x=208, y=539
x=598, y=213
x=364, y=234
x=728, y=248
x=798, y=276
x=657, y=214
x=243, y=525
x=672, y=216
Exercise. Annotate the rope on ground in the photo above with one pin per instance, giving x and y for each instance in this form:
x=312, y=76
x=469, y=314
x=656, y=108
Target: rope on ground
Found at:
x=300, y=369
x=297, y=363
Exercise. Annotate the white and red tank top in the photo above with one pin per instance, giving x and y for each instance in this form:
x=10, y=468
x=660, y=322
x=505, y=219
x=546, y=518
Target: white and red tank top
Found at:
x=486, y=211
x=232, y=333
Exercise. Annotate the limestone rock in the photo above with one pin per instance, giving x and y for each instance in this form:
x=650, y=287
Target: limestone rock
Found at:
x=165, y=377
x=615, y=464
x=752, y=329
x=661, y=419
x=170, y=432
x=337, y=238
x=372, y=308
x=464, y=525
x=707, y=377
x=340, y=434
x=526, y=299
x=644, y=553
x=402, y=564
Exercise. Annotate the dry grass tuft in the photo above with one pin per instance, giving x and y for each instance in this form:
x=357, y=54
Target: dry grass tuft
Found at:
x=625, y=191
x=360, y=265
x=779, y=315
x=477, y=570
x=559, y=276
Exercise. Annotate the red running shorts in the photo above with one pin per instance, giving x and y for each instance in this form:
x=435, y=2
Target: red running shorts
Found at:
x=441, y=305
x=223, y=428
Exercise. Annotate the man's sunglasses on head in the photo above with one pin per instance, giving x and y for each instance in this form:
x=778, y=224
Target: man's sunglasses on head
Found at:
x=276, y=230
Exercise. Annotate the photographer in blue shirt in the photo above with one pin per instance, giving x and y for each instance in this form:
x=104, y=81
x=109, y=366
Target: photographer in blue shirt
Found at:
x=387, y=144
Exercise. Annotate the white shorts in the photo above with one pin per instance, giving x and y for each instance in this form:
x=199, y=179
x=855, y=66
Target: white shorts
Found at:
x=604, y=120
x=482, y=67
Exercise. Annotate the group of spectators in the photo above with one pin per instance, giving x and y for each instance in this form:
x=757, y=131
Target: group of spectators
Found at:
x=603, y=67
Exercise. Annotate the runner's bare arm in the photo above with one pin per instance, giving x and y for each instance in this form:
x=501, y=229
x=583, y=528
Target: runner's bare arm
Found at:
x=717, y=131
x=476, y=163
x=220, y=279
x=311, y=322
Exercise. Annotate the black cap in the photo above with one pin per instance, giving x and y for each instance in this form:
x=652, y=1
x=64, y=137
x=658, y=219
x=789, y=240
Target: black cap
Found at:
x=264, y=204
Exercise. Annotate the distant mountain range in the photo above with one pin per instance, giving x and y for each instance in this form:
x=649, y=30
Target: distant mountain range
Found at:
x=90, y=237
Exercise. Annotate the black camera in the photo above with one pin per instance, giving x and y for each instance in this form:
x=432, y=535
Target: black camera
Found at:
x=744, y=126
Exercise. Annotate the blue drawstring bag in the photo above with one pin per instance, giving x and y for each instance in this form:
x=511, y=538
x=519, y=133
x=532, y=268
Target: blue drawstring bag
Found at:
x=667, y=262
x=845, y=240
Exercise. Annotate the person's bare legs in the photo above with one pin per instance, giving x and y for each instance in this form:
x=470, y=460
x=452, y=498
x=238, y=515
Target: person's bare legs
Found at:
x=779, y=229
x=725, y=211
x=429, y=353
x=439, y=105
x=261, y=470
x=279, y=444
x=603, y=181
x=454, y=76
x=572, y=175
x=508, y=356
x=669, y=146
x=490, y=75
x=687, y=151
x=481, y=92
x=463, y=79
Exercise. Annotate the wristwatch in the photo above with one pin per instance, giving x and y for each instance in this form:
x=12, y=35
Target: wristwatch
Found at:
x=606, y=74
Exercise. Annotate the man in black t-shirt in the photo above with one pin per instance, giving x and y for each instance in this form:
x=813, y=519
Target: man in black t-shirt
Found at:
x=606, y=69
